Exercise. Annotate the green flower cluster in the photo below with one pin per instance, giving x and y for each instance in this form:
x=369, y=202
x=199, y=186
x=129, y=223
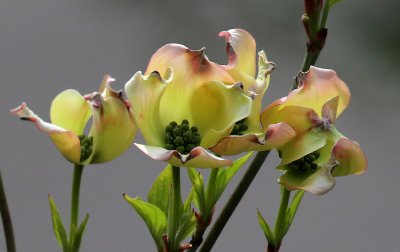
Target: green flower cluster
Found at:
x=306, y=163
x=239, y=127
x=182, y=138
x=86, y=146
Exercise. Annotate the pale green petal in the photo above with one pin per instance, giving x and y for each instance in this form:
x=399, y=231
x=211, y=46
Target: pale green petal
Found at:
x=350, y=157
x=215, y=108
x=259, y=88
x=329, y=110
x=70, y=111
x=191, y=70
x=105, y=89
x=319, y=86
x=113, y=128
x=296, y=116
x=241, y=50
x=66, y=141
x=275, y=136
x=68, y=144
x=302, y=145
x=333, y=135
x=187, y=64
x=317, y=182
x=144, y=93
x=198, y=157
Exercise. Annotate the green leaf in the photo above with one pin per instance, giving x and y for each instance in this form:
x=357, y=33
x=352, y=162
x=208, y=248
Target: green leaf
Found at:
x=187, y=206
x=154, y=218
x=72, y=238
x=58, y=226
x=210, y=190
x=333, y=2
x=187, y=225
x=78, y=233
x=160, y=191
x=292, y=210
x=198, y=185
x=266, y=228
x=225, y=175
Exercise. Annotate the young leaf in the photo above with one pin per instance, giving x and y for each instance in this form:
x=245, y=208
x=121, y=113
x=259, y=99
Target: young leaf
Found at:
x=267, y=230
x=187, y=225
x=58, y=226
x=159, y=192
x=76, y=243
x=72, y=238
x=292, y=210
x=224, y=176
x=187, y=206
x=198, y=185
x=154, y=217
x=333, y=2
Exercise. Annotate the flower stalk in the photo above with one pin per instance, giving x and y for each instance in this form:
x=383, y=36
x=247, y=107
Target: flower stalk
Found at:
x=76, y=185
x=6, y=219
x=174, y=211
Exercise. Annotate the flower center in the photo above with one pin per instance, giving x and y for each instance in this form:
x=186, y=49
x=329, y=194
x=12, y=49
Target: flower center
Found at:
x=182, y=138
x=325, y=124
x=86, y=146
x=239, y=127
x=305, y=163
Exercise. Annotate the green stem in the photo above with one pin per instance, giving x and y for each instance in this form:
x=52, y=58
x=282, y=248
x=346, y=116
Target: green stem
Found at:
x=212, y=180
x=324, y=17
x=201, y=227
x=6, y=219
x=280, y=224
x=234, y=200
x=76, y=185
x=310, y=58
x=174, y=213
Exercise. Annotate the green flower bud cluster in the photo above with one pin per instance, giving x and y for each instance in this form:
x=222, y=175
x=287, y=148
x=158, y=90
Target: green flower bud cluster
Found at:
x=306, y=163
x=239, y=127
x=182, y=138
x=86, y=146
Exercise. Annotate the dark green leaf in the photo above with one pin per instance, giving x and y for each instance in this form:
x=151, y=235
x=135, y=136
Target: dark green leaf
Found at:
x=266, y=228
x=58, y=226
x=160, y=191
x=154, y=217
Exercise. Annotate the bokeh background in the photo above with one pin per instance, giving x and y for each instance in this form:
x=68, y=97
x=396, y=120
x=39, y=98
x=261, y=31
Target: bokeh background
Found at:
x=47, y=46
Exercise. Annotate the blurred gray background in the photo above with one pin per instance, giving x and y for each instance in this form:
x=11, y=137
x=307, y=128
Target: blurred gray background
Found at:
x=47, y=46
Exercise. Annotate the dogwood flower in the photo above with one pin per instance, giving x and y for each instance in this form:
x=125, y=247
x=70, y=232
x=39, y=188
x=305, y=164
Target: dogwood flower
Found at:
x=319, y=151
x=112, y=130
x=188, y=110
x=248, y=134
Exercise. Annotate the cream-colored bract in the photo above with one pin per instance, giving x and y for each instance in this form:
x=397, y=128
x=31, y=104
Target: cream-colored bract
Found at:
x=113, y=128
x=311, y=110
x=183, y=84
x=256, y=137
